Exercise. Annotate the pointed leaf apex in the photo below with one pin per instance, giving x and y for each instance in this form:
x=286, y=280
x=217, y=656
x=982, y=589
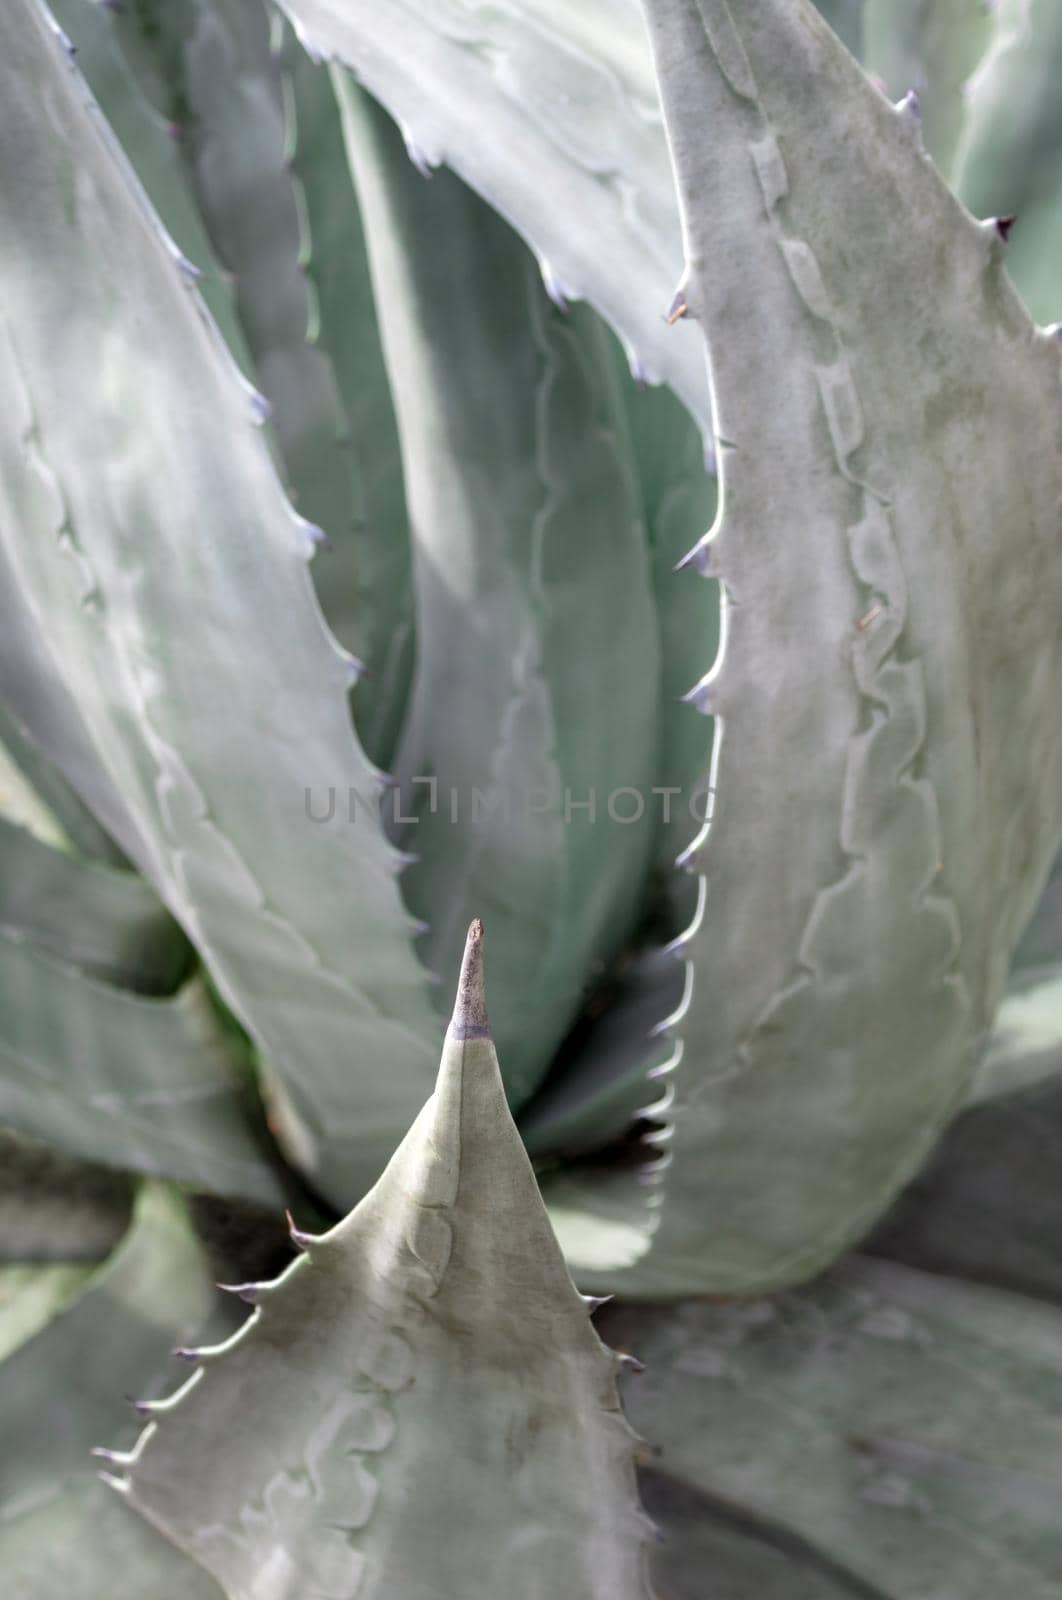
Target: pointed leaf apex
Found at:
x=470, y=1008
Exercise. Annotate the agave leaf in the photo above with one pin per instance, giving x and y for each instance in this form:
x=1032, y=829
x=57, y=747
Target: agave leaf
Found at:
x=896, y=788
x=227, y=79
x=149, y=1084
x=337, y=264
x=1010, y=157
x=604, y=1073
x=679, y=498
x=302, y=1456
x=930, y=47
x=172, y=578
x=61, y=1532
x=261, y=153
x=537, y=674
x=905, y=1430
x=152, y=144
x=846, y=18
x=43, y=726
x=104, y=920
x=988, y=1206
x=1025, y=1044
x=551, y=114
x=55, y=1209
x=30, y=1296
x=21, y=808
x=710, y=1550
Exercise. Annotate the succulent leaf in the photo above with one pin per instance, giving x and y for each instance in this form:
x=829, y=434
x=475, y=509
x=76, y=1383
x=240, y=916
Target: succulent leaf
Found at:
x=427, y=1354
x=1009, y=161
x=152, y=144
x=679, y=497
x=337, y=265
x=261, y=156
x=988, y=1206
x=56, y=1209
x=180, y=611
x=902, y=1430
x=530, y=744
x=147, y=1083
x=897, y=787
x=34, y=794
x=614, y=1066
x=61, y=1531
x=1025, y=1045
x=90, y=915
x=930, y=48
x=550, y=113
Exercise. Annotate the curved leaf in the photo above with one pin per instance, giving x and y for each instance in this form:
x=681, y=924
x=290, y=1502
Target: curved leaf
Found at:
x=56, y=1209
x=710, y=1551
x=61, y=1532
x=530, y=745
x=170, y=576
x=551, y=114
x=260, y=142
x=148, y=1084
x=930, y=47
x=104, y=920
x=337, y=264
x=905, y=1431
x=679, y=497
x=887, y=803
x=152, y=144
x=1010, y=157
x=426, y=1355
x=48, y=806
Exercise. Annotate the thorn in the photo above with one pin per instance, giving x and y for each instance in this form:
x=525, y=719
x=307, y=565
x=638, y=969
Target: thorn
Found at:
x=246, y=1291
x=104, y=1454
x=188, y=269
x=1004, y=225
x=311, y=538
x=406, y=858
x=418, y=155
x=470, y=1020
x=353, y=669
x=868, y=617
x=700, y=557
x=629, y=1362
x=121, y=1484
x=185, y=1353
x=143, y=1408
x=594, y=1302
x=302, y=1241
x=261, y=410
x=700, y=697
x=553, y=286
x=678, y=309
x=910, y=105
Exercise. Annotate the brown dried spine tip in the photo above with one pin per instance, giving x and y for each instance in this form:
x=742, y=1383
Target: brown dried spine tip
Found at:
x=470, y=1008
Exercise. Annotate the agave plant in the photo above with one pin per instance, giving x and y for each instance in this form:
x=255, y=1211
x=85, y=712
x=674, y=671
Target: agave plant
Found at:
x=380, y=551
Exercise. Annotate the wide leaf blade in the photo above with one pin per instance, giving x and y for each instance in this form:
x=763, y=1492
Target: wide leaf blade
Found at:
x=170, y=574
